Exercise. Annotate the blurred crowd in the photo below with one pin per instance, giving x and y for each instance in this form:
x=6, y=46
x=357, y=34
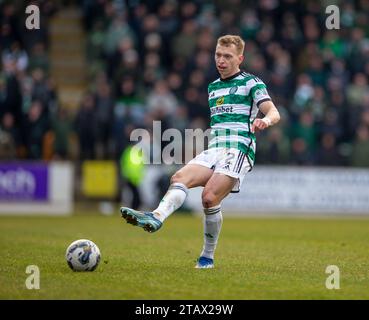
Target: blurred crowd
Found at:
x=28, y=97
x=153, y=60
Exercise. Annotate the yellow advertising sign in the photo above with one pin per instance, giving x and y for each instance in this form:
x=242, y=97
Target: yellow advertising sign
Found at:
x=99, y=179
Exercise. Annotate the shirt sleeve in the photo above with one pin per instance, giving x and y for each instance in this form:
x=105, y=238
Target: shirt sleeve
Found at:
x=259, y=93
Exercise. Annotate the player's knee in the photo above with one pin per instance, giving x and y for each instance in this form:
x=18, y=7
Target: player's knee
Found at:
x=209, y=199
x=177, y=177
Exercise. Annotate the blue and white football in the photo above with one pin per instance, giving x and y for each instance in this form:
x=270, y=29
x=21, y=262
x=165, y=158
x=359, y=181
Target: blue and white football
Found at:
x=83, y=255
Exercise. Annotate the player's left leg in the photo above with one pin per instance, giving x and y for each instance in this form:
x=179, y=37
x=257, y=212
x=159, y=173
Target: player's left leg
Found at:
x=217, y=188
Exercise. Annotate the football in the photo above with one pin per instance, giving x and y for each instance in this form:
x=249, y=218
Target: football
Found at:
x=83, y=255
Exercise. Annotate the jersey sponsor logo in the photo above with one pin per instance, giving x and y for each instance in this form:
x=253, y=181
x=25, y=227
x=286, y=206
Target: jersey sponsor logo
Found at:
x=233, y=90
x=220, y=101
x=216, y=110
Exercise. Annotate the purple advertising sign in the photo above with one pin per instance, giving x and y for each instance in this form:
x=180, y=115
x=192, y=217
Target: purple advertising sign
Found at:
x=23, y=182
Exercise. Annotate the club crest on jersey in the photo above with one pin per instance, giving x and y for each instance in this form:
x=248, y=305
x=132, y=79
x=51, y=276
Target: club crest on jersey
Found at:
x=233, y=90
x=220, y=101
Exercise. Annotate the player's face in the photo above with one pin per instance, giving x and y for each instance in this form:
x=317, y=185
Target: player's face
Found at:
x=227, y=60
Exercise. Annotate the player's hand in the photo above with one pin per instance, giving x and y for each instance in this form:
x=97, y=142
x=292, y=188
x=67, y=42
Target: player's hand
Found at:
x=260, y=124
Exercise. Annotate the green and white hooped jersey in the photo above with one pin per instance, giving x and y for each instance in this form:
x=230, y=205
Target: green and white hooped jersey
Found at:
x=234, y=104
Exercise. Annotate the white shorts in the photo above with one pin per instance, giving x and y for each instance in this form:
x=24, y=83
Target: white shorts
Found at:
x=229, y=161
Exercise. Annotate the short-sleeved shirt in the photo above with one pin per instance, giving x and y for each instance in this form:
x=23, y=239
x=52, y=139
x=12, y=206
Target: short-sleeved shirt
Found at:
x=234, y=104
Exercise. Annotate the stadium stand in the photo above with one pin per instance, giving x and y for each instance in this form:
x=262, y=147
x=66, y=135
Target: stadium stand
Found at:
x=75, y=88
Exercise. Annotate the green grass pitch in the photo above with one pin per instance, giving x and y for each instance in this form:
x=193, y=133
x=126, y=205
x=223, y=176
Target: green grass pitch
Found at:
x=257, y=258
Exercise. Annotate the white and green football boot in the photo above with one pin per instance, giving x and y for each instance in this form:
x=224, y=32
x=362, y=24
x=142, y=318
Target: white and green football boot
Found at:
x=145, y=220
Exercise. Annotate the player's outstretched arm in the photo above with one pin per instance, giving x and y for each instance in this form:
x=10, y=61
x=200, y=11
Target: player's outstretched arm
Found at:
x=271, y=116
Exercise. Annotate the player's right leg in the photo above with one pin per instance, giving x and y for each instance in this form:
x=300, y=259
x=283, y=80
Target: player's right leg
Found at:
x=190, y=176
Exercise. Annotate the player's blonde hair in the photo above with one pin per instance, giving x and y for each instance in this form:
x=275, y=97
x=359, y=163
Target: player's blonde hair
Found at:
x=230, y=39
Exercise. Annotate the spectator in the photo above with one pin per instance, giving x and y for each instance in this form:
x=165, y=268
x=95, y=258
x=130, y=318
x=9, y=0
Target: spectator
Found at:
x=184, y=43
x=300, y=154
x=327, y=154
x=118, y=30
x=10, y=138
x=36, y=127
x=104, y=105
x=11, y=97
x=275, y=148
x=161, y=100
x=85, y=127
x=303, y=94
x=39, y=58
x=61, y=126
x=357, y=90
x=305, y=130
x=360, y=151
